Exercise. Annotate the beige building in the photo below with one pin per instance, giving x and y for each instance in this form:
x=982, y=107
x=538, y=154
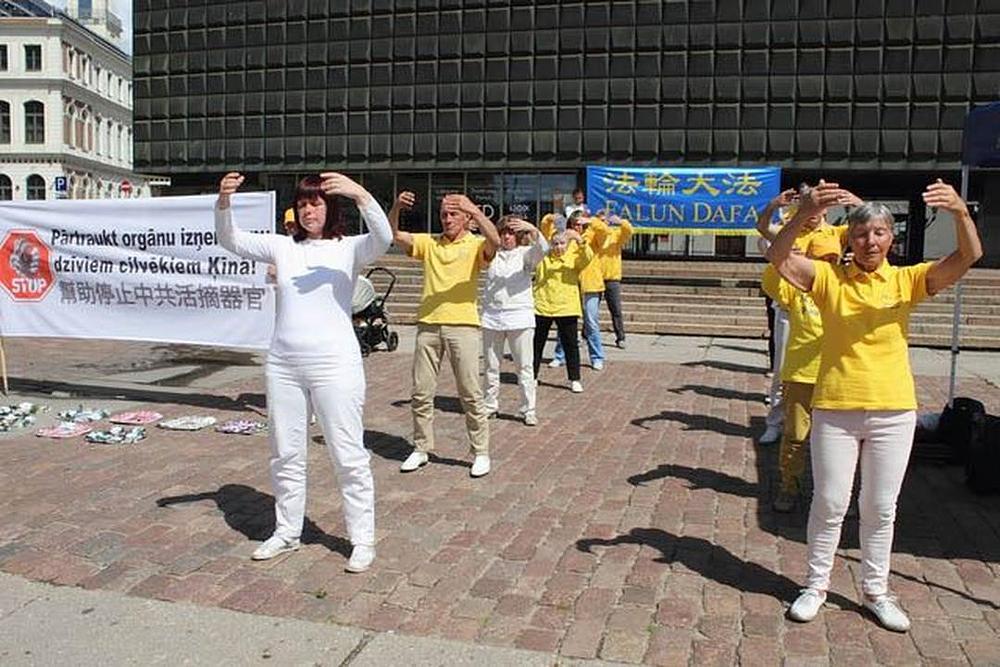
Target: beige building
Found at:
x=65, y=105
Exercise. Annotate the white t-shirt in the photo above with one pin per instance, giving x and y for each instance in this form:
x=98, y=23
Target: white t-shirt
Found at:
x=507, y=301
x=315, y=283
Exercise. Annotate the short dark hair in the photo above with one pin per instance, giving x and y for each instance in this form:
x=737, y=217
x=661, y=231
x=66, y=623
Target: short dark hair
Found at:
x=580, y=190
x=310, y=189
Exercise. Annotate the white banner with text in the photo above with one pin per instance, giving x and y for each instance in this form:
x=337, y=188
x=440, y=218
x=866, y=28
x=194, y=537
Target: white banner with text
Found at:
x=133, y=269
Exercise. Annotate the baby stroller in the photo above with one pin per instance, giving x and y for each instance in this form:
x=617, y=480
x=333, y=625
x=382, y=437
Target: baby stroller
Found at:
x=371, y=321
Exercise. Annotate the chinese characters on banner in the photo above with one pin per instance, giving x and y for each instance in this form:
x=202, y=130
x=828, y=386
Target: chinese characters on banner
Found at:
x=685, y=200
x=133, y=269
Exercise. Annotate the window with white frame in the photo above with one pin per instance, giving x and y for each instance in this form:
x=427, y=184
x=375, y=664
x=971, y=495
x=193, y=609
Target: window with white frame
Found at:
x=34, y=122
x=35, y=187
x=33, y=57
x=4, y=122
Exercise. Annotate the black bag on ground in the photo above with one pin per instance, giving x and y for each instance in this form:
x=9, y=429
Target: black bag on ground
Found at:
x=961, y=422
x=982, y=470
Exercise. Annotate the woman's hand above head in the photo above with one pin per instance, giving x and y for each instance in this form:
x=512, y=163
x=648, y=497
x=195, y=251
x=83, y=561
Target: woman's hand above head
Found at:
x=784, y=198
x=948, y=270
x=573, y=235
x=337, y=184
x=941, y=195
x=816, y=200
x=229, y=184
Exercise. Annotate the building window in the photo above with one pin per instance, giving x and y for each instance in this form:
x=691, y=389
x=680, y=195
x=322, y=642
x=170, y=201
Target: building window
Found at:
x=33, y=57
x=6, y=188
x=4, y=123
x=34, y=123
x=36, y=187
x=3, y=57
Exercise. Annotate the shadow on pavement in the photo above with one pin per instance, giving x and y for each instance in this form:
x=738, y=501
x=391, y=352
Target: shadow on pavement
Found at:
x=395, y=448
x=245, y=402
x=695, y=422
x=442, y=403
x=250, y=512
x=712, y=562
x=719, y=392
x=700, y=478
x=727, y=366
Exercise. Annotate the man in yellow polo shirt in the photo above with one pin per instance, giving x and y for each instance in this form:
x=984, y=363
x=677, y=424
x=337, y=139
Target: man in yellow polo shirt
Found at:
x=448, y=320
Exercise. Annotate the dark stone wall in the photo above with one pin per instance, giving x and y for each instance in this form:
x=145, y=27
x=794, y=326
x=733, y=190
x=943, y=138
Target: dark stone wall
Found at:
x=290, y=85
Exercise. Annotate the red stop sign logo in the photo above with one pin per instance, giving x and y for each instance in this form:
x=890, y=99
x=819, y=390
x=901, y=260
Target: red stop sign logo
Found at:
x=25, y=266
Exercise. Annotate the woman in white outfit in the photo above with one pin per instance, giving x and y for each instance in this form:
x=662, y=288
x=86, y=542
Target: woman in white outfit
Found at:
x=509, y=311
x=314, y=360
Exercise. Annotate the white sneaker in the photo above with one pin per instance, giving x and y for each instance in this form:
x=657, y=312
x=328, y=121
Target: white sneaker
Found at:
x=530, y=419
x=361, y=559
x=576, y=387
x=597, y=365
x=887, y=612
x=807, y=605
x=771, y=435
x=555, y=363
x=414, y=461
x=274, y=546
x=480, y=465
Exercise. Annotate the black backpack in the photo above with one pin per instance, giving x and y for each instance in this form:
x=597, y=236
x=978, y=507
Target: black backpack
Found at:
x=962, y=423
x=982, y=468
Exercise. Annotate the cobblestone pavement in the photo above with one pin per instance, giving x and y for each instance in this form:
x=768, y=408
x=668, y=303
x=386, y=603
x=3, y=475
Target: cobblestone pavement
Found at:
x=633, y=524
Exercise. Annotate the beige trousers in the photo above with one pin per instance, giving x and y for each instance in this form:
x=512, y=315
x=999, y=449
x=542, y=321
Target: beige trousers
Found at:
x=462, y=343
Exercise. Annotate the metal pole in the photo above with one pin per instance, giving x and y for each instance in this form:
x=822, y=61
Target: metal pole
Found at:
x=956, y=319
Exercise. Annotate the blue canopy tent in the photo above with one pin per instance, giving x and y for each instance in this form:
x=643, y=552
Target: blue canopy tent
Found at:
x=980, y=150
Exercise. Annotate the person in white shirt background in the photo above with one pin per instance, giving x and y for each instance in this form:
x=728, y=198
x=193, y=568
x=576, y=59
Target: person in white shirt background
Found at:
x=509, y=312
x=314, y=361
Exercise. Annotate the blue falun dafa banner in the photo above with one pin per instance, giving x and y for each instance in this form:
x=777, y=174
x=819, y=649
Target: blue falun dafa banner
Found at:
x=684, y=200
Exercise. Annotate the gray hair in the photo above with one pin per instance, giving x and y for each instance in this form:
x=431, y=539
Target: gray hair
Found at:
x=869, y=211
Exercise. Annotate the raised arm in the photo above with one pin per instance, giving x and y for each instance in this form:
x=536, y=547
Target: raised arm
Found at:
x=764, y=226
x=948, y=270
x=539, y=246
x=404, y=201
x=373, y=244
x=481, y=221
x=258, y=247
x=624, y=230
x=795, y=268
x=584, y=253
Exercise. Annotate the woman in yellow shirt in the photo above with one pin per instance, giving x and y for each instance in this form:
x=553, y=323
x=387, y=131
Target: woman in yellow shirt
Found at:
x=557, y=299
x=864, y=403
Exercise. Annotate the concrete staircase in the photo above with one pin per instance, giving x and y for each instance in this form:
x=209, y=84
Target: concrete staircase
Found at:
x=723, y=299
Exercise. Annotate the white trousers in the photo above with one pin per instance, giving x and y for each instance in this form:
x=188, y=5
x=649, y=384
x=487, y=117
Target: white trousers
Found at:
x=336, y=392
x=521, y=343
x=882, y=440
x=776, y=415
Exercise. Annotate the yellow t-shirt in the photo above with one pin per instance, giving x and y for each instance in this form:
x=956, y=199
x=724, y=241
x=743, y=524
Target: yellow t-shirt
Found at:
x=865, y=362
x=557, y=282
x=824, y=231
x=592, y=276
x=451, y=273
x=611, y=251
x=805, y=335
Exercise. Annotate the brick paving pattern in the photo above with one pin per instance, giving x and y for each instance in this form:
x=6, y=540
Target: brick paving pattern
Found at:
x=632, y=525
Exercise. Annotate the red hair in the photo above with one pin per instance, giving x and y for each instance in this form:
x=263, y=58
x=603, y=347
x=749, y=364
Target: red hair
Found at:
x=310, y=189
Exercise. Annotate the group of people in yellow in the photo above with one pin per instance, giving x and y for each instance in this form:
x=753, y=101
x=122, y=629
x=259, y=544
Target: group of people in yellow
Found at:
x=847, y=386
x=534, y=278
